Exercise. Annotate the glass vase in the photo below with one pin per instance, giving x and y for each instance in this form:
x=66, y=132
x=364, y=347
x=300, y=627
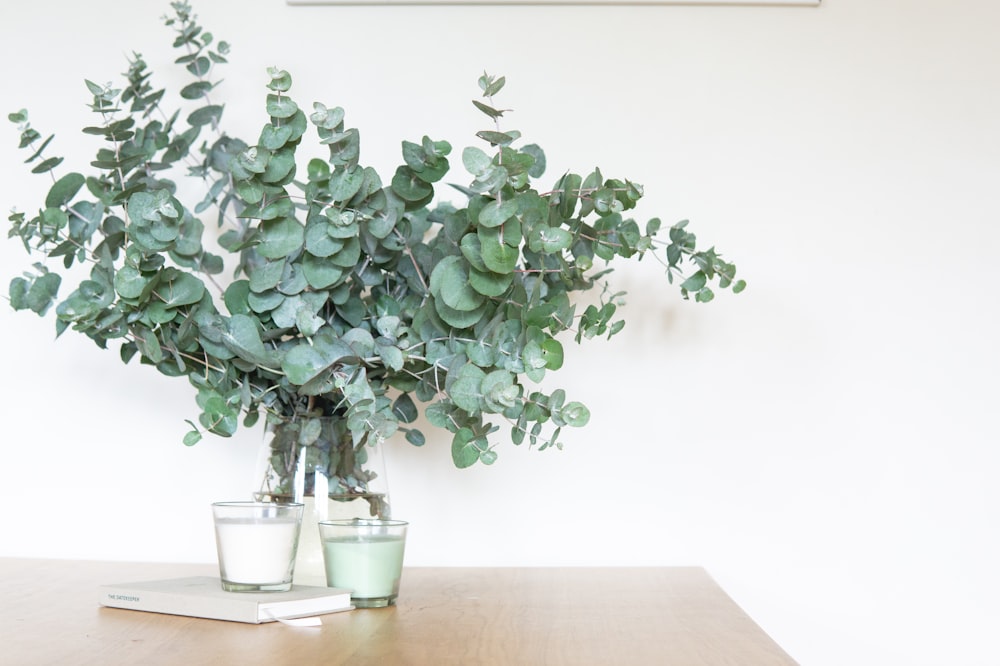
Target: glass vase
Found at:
x=314, y=461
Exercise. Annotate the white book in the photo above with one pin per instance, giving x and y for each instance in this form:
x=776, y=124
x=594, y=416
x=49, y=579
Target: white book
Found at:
x=203, y=596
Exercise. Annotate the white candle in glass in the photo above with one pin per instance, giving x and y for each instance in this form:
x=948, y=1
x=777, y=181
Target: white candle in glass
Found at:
x=257, y=543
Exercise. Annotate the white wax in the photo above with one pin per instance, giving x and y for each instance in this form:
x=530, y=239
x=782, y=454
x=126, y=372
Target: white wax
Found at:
x=256, y=551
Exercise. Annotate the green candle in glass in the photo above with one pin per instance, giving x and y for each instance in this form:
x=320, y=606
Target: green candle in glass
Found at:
x=365, y=556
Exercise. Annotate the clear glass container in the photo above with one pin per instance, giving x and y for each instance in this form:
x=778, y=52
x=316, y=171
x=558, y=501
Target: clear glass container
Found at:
x=257, y=544
x=365, y=556
x=313, y=461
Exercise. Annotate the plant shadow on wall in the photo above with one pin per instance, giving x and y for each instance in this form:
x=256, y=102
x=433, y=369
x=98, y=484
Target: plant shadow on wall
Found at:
x=351, y=297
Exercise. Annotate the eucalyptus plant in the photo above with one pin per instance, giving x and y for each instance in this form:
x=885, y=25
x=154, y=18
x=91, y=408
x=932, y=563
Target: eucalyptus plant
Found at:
x=350, y=295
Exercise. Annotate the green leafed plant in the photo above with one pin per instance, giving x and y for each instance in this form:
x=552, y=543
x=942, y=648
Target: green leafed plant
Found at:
x=351, y=295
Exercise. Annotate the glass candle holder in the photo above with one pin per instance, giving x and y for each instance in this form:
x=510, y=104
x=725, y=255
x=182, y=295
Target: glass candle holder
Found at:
x=256, y=542
x=366, y=557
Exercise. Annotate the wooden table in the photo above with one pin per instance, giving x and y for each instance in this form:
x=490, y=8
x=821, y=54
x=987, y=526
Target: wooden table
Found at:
x=461, y=616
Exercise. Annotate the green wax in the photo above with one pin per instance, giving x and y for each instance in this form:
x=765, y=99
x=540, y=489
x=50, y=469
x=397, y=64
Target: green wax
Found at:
x=370, y=566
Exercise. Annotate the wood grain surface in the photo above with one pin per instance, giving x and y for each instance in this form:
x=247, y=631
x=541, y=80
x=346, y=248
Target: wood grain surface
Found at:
x=677, y=616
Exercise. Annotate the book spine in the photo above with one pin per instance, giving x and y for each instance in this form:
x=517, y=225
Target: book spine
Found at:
x=172, y=604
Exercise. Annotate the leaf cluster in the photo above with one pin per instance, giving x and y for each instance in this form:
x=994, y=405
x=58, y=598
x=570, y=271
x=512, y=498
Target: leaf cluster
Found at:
x=350, y=296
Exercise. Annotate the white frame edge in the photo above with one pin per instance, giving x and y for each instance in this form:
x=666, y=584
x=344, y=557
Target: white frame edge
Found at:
x=787, y=3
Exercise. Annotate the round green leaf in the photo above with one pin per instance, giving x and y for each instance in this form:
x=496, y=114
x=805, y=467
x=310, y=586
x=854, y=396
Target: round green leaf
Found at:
x=464, y=449
x=205, y=115
x=391, y=355
x=466, y=391
x=475, y=160
x=281, y=107
x=459, y=318
x=158, y=313
x=88, y=300
x=319, y=272
x=605, y=202
x=552, y=353
x=302, y=363
x=253, y=160
x=450, y=282
x=346, y=182
x=404, y=408
x=408, y=187
x=63, y=190
x=165, y=229
x=326, y=118
x=496, y=213
x=286, y=314
x=533, y=358
x=265, y=276
x=318, y=170
x=318, y=242
x=280, y=238
x=292, y=280
x=499, y=390
x=251, y=191
x=381, y=224
x=281, y=81
x=53, y=219
x=360, y=341
x=575, y=414
x=273, y=138
x=183, y=289
x=473, y=252
x=538, y=166
x=348, y=255
x=129, y=282
x=265, y=301
x=242, y=336
x=280, y=168
x=490, y=284
x=439, y=415
x=236, y=297
x=550, y=240
x=341, y=223
x=481, y=353
x=498, y=257
x=36, y=295
x=704, y=295
x=278, y=207
x=695, y=282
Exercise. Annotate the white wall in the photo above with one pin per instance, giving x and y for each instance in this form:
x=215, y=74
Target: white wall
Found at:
x=825, y=444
